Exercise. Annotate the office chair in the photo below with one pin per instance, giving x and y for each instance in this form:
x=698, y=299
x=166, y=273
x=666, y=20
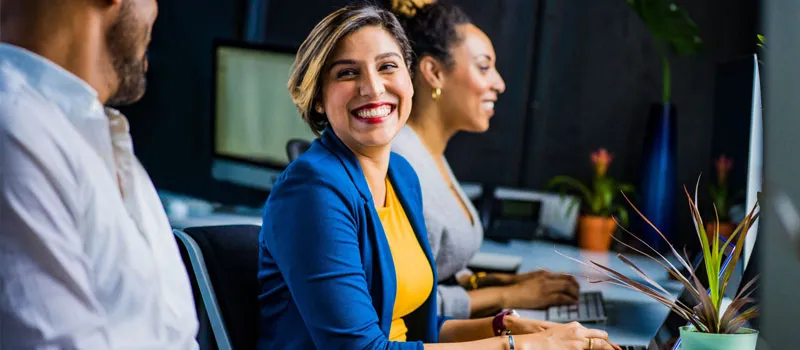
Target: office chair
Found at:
x=296, y=147
x=222, y=262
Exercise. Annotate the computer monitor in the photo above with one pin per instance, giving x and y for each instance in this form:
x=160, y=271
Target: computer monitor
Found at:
x=779, y=239
x=254, y=116
x=738, y=135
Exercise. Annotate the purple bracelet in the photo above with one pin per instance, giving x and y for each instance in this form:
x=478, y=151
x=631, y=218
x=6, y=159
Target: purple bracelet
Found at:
x=499, y=323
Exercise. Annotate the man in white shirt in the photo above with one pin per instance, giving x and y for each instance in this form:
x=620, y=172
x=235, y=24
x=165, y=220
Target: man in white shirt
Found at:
x=87, y=257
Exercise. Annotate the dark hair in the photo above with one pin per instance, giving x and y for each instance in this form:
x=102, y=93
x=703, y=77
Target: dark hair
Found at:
x=305, y=81
x=431, y=28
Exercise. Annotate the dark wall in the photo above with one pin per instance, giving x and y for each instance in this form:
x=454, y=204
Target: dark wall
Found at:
x=598, y=73
x=171, y=124
x=580, y=75
x=495, y=156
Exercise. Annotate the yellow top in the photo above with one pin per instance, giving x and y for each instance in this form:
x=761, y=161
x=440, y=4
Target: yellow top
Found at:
x=414, y=274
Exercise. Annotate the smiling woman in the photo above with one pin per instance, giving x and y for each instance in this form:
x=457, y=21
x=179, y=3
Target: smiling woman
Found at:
x=366, y=89
x=344, y=260
x=457, y=85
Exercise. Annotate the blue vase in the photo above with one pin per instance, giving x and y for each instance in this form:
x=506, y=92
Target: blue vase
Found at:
x=657, y=188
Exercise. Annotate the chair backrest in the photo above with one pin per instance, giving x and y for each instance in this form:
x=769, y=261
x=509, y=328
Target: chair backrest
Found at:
x=223, y=262
x=296, y=147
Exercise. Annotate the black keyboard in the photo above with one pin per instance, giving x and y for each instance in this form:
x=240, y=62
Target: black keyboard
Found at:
x=590, y=309
x=633, y=347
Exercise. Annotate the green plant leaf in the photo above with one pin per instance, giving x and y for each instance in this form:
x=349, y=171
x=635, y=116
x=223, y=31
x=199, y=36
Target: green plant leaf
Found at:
x=739, y=234
x=626, y=188
x=670, y=24
x=706, y=315
x=622, y=213
x=569, y=182
x=739, y=321
x=708, y=258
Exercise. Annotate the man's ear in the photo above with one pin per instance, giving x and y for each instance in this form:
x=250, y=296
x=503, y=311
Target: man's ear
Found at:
x=432, y=71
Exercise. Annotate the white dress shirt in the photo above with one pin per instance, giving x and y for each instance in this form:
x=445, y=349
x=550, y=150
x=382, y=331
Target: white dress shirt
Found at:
x=87, y=256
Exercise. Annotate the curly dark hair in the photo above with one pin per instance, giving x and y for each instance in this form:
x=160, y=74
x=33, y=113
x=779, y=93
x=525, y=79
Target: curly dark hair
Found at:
x=431, y=28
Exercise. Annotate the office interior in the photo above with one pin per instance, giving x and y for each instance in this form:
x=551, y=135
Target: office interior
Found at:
x=213, y=128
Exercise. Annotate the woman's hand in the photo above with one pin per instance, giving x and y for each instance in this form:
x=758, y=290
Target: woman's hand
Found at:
x=520, y=277
x=571, y=336
x=518, y=325
x=540, y=290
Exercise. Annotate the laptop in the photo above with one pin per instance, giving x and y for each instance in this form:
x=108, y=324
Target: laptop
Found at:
x=591, y=307
x=668, y=335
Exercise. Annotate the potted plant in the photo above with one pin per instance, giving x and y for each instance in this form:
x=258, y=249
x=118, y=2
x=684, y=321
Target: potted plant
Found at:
x=720, y=196
x=673, y=31
x=596, y=225
x=711, y=326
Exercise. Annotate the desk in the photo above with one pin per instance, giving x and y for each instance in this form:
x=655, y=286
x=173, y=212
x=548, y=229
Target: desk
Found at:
x=633, y=317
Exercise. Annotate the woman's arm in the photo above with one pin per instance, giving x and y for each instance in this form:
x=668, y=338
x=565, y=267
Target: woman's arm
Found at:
x=571, y=336
x=454, y=331
x=496, y=343
x=468, y=335
x=487, y=301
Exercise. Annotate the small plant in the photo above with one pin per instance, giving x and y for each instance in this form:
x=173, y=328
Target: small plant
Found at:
x=761, y=43
x=720, y=193
x=707, y=315
x=600, y=199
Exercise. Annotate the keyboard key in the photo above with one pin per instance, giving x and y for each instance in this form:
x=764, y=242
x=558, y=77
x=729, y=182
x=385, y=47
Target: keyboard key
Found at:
x=590, y=308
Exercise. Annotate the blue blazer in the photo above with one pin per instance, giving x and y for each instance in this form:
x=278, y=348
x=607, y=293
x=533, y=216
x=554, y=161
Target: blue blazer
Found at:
x=325, y=270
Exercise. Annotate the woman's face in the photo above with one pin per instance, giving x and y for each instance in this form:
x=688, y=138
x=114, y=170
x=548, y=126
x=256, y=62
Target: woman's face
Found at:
x=367, y=89
x=472, y=84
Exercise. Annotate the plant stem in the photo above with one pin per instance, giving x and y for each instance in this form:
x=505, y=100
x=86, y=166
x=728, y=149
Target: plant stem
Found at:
x=666, y=92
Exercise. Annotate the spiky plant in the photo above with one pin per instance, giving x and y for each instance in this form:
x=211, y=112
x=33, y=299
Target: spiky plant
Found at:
x=707, y=315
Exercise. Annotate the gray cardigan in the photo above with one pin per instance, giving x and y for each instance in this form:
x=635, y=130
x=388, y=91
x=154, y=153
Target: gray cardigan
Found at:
x=454, y=240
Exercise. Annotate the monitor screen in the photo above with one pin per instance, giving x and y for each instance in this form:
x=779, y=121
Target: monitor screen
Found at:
x=737, y=135
x=255, y=116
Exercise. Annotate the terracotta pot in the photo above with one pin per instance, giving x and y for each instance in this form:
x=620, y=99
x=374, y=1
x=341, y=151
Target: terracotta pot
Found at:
x=725, y=229
x=594, y=232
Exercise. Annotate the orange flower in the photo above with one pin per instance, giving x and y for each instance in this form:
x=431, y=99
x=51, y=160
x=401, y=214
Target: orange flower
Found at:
x=601, y=159
x=723, y=165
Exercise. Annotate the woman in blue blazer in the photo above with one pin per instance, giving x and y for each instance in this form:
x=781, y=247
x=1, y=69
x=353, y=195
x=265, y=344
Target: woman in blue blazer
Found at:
x=327, y=272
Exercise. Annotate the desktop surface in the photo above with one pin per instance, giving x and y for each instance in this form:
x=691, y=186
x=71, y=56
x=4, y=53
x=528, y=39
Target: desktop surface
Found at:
x=632, y=317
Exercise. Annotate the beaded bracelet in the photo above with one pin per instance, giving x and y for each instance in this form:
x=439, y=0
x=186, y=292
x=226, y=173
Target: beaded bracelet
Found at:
x=473, y=280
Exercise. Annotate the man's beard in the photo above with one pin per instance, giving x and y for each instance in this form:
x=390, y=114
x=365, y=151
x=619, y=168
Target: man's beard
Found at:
x=123, y=39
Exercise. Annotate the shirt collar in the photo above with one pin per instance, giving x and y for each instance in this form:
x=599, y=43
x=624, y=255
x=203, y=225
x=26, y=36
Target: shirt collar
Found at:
x=75, y=97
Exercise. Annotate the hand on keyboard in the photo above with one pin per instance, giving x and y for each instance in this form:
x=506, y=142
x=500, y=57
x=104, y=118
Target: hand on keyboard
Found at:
x=519, y=325
x=571, y=336
x=542, y=289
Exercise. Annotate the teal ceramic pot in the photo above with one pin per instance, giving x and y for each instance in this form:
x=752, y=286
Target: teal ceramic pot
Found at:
x=744, y=339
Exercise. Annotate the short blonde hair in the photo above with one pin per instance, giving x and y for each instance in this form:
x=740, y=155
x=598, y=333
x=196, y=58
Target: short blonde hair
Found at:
x=305, y=82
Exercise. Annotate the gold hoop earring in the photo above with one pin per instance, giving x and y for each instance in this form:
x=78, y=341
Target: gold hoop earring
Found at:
x=437, y=92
